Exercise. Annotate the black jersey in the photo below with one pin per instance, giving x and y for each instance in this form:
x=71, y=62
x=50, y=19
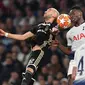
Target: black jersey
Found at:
x=42, y=35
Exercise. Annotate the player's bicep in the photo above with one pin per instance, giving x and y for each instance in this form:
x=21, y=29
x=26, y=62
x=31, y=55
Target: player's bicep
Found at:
x=27, y=35
x=31, y=32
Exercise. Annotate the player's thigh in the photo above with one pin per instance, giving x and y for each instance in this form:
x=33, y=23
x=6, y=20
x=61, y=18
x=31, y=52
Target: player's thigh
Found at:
x=35, y=58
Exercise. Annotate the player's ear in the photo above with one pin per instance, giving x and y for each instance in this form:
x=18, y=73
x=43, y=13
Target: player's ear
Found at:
x=70, y=12
x=81, y=14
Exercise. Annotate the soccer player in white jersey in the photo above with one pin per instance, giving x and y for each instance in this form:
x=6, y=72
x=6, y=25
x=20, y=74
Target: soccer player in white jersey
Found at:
x=79, y=62
x=75, y=36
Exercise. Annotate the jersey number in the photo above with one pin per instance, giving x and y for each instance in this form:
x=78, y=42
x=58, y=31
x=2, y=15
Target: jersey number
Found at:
x=80, y=66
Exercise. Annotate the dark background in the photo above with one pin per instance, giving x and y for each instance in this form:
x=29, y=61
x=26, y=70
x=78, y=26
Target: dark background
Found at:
x=18, y=16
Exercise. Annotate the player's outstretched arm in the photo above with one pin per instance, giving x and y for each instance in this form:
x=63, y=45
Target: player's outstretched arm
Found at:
x=64, y=49
x=16, y=36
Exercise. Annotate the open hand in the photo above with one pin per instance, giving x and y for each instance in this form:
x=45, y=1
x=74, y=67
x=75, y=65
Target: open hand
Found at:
x=55, y=29
x=2, y=33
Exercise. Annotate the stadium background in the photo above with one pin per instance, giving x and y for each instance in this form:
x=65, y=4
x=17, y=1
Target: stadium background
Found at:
x=18, y=16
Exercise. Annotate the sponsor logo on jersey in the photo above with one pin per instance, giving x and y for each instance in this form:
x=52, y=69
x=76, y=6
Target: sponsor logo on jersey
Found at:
x=79, y=36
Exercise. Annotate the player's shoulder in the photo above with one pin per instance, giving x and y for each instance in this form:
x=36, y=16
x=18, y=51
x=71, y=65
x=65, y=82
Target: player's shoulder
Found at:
x=40, y=25
x=44, y=24
x=71, y=30
x=83, y=24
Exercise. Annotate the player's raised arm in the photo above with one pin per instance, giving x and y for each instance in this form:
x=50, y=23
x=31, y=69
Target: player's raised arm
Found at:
x=16, y=36
x=66, y=50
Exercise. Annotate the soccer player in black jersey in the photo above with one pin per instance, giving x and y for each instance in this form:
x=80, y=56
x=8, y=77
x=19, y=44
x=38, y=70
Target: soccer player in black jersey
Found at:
x=40, y=37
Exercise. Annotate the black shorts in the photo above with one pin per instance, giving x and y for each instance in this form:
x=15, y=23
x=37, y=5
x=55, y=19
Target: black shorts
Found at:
x=35, y=58
x=71, y=55
x=39, y=59
x=42, y=57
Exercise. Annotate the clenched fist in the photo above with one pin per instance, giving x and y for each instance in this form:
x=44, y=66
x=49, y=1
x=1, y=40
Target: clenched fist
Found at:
x=55, y=43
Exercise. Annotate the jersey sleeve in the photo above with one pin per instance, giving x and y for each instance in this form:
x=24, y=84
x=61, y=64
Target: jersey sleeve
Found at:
x=42, y=27
x=34, y=29
x=69, y=41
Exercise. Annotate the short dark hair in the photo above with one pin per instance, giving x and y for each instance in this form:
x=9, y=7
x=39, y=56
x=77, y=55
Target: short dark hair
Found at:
x=77, y=8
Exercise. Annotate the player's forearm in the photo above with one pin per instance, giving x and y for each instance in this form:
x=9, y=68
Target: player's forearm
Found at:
x=19, y=37
x=64, y=49
x=70, y=80
x=15, y=36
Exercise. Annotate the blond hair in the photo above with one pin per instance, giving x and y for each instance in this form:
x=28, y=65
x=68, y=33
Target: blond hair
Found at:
x=54, y=10
x=51, y=12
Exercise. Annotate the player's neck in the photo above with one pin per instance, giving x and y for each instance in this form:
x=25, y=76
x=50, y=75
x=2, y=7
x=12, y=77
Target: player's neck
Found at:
x=81, y=21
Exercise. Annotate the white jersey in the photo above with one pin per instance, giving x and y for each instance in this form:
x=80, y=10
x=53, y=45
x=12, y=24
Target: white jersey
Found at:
x=76, y=36
x=79, y=62
x=79, y=58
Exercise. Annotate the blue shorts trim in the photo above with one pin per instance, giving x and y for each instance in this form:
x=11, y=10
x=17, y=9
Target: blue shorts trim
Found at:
x=71, y=55
x=79, y=83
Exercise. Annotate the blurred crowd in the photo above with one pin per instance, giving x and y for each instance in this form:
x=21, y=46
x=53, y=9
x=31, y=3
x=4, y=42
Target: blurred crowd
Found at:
x=18, y=16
